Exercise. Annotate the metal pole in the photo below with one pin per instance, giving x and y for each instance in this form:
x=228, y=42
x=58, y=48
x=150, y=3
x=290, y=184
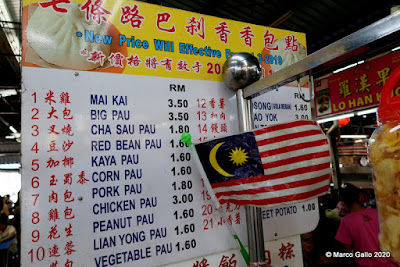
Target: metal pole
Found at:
x=253, y=214
x=243, y=110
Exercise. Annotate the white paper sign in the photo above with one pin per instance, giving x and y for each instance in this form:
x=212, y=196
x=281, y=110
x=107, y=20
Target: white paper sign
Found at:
x=288, y=220
x=281, y=105
x=106, y=179
x=275, y=107
x=279, y=253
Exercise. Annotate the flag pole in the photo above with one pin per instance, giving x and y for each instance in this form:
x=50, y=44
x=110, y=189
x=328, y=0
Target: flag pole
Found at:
x=239, y=71
x=253, y=214
x=186, y=138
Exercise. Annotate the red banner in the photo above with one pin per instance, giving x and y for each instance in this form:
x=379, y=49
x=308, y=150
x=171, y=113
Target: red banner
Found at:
x=356, y=88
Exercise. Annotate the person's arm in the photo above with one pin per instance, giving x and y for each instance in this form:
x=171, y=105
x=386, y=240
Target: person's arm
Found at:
x=348, y=261
x=7, y=235
x=6, y=211
x=343, y=235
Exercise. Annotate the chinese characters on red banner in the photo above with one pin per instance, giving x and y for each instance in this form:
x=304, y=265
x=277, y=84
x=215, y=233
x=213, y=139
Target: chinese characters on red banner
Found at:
x=355, y=88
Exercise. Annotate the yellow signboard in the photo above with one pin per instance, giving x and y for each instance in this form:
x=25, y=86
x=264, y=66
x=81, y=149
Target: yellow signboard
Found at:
x=142, y=39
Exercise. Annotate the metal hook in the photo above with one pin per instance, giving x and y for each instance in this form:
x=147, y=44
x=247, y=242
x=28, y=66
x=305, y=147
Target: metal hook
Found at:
x=311, y=84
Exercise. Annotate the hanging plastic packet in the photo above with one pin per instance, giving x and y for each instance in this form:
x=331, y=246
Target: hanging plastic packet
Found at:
x=384, y=155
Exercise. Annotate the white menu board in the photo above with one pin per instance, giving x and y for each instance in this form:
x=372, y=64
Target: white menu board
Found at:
x=287, y=220
x=285, y=252
x=106, y=180
x=108, y=184
x=279, y=106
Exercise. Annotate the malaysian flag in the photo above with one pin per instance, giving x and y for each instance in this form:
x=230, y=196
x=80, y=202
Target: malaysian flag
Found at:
x=283, y=163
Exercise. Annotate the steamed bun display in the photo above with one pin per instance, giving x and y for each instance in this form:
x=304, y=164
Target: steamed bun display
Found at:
x=288, y=56
x=53, y=36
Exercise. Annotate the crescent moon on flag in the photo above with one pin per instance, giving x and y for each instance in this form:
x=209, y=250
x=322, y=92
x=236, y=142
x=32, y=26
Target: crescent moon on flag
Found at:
x=214, y=163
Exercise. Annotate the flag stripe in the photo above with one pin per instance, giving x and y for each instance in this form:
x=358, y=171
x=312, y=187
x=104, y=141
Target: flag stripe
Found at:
x=262, y=178
x=287, y=179
x=278, y=127
x=296, y=153
x=280, y=163
x=291, y=142
x=278, y=200
x=284, y=192
x=286, y=131
x=274, y=188
x=285, y=137
x=291, y=148
x=298, y=165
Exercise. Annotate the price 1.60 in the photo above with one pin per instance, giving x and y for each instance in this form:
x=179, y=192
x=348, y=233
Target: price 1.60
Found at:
x=301, y=107
x=184, y=214
x=179, y=157
x=185, y=229
x=185, y=170
x=188, y=244
x=177, y=143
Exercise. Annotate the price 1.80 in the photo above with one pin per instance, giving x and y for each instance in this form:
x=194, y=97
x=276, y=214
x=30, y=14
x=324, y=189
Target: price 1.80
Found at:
x=178, y=129
x=183, y=185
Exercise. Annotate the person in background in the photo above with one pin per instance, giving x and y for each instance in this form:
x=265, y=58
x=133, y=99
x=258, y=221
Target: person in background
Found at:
x=342, y=211
x=3, y=208
x=310, y=256
x=17, y=222
x=324, y=233
x=9, y=203
x=8, y=232
x=358, y=230
x=17, y=213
